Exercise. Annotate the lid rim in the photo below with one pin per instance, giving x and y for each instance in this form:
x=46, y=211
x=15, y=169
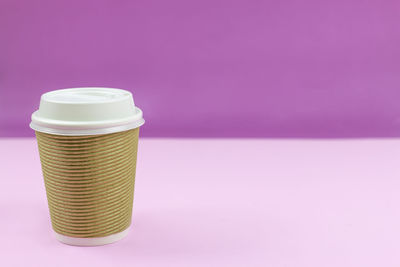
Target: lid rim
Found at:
x=72, y=124
x=90, y=131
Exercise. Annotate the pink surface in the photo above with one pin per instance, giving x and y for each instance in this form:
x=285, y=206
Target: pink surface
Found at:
x=225, y=203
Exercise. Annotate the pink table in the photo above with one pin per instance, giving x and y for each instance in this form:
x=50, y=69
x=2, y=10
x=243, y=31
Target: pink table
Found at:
x=225, y=203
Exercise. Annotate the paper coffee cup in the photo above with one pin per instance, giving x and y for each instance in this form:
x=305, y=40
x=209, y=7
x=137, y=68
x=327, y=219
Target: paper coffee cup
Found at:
x=87, y=140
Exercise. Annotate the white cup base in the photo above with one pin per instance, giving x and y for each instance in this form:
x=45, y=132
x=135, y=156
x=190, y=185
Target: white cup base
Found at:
x=93, y=241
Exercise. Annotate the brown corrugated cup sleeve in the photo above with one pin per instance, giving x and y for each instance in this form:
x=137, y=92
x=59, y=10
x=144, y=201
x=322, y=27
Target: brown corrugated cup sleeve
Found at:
x=89, y=181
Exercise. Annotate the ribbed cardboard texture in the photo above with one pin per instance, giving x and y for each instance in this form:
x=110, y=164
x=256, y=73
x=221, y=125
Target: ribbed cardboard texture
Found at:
x=89, y=181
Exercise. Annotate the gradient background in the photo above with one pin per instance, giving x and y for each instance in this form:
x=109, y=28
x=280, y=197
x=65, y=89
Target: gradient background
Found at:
x=211, y=68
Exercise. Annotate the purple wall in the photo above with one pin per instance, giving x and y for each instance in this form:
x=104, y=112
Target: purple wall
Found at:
x=211, y=67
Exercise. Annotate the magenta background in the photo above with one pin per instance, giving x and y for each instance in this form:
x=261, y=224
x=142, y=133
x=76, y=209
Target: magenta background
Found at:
x=212, y=67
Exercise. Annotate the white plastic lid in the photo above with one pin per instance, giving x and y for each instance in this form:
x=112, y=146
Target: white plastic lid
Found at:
x=86, y=111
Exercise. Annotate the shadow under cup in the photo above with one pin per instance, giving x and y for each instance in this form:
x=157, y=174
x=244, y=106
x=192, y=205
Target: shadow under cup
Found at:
x=89, y=182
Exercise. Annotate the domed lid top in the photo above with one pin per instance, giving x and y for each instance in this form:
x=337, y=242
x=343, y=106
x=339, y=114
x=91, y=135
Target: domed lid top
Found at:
x=86, y=111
